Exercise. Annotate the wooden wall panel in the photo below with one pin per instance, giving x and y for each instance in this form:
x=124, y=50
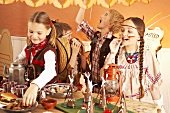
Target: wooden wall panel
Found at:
x=6, y=50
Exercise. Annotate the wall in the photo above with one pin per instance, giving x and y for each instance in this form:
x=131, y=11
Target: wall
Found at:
x=14, y=16
x=18, y=44
x=164, y=55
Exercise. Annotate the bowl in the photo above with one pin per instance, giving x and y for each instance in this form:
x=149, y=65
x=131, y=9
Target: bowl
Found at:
x=48, y=103
x=58, y=90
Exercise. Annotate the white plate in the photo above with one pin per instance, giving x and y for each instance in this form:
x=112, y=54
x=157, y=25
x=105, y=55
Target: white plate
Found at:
x=2, y=105
x=19, y=111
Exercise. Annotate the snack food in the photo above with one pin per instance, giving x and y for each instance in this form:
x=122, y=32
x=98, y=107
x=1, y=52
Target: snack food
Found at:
x=17, y=106
x=58, y=88
x=7, y=98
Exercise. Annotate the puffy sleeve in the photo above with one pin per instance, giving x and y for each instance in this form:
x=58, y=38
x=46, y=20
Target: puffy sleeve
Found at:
x=86, y=29
x=152, y=69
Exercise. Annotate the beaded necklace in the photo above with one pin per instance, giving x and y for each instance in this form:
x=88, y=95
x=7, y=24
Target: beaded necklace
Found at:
x=131, y=57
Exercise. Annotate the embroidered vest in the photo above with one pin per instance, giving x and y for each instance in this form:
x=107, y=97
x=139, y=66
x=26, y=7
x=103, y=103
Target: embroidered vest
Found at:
x=105, y=49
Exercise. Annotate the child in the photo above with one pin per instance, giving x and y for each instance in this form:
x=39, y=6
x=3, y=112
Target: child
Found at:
x=40, y=52
x=74, y=50
x=139, y=68
x=109, y=25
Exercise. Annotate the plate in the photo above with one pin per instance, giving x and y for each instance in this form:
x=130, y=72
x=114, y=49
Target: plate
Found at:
x=58, y=90
x=19, y=111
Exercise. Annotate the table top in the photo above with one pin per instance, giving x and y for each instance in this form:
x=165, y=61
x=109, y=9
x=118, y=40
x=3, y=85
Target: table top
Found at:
x=132, y=105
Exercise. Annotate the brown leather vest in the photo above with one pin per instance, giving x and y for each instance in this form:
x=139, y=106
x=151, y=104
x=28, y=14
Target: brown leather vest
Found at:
x=37, y=65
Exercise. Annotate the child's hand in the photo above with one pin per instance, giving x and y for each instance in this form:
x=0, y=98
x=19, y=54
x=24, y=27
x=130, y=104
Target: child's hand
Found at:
x=75, y=46
x=30, y=95
x=114, y=45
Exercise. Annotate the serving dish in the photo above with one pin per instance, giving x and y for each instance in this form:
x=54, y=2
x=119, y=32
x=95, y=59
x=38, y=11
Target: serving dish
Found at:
x=19, y=111
x=58, y=90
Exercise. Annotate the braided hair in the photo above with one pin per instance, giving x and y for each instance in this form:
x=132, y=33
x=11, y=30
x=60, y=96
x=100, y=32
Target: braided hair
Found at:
x=140, y=26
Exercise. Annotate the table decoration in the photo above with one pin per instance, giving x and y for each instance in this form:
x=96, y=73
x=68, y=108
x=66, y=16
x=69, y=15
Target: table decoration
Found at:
x=79, y=104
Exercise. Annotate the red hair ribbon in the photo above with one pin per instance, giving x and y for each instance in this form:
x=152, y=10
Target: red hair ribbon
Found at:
x=51, y=24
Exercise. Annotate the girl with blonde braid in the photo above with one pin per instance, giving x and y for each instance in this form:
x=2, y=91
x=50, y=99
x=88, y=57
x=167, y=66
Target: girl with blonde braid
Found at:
x=139, y=68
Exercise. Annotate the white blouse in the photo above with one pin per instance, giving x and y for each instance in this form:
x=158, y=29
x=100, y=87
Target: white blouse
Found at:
x=130, y=75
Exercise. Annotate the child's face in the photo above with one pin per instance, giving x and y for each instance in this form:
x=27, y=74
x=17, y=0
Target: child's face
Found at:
x=37, y=32
x=104, y=20
x=129, y=33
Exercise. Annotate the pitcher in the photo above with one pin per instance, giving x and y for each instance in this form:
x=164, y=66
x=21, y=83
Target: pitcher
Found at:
x=16, y=72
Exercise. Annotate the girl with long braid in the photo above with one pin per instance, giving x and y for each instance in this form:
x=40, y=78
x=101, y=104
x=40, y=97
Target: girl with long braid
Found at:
x=140, y=72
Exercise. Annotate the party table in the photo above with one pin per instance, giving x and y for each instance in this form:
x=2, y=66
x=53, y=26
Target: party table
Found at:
x=132, y=105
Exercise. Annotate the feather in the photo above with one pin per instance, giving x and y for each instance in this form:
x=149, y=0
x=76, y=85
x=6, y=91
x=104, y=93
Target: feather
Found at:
x=158, y=21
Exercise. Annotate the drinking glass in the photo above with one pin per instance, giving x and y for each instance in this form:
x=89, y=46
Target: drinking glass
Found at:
x=6, y=87
x=20, y=90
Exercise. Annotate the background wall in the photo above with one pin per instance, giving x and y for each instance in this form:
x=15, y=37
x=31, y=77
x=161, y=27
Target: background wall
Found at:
x=15, y=16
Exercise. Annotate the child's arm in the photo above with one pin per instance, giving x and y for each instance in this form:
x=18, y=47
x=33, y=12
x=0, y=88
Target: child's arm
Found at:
x=114, y=47
x=75, y=50
x=48, y=74
x=80, y=14
x=49, y=70
x=22, y=55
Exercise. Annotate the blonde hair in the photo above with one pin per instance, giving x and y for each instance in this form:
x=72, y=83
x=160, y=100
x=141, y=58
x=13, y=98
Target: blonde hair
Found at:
x=116, y=19
x=43, y=18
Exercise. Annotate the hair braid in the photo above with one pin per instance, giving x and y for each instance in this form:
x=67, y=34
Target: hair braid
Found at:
x=141, y=49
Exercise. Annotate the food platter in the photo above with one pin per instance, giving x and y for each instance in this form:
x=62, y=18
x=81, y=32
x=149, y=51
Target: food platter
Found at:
x=19, y=111
x=58, y=90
